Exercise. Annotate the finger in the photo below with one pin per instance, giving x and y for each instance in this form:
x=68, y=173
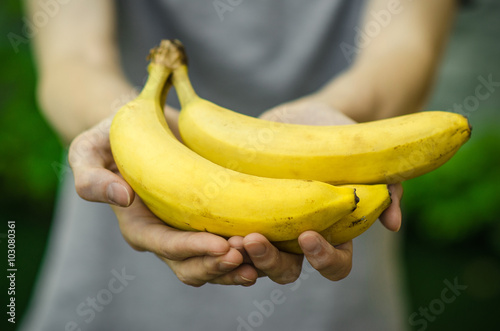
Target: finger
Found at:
x=311, y=111
x=92, y=147
x=101, y=185
x=334, y=263
x=281, y=267
x=244, y=275
x=144, y=231
x=392, y=217
x=90, y=159
x=197, y=271
x=276, y=114
x=237, y=242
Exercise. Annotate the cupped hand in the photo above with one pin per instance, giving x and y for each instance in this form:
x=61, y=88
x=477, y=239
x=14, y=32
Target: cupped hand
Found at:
x=312, y=111
x=96, y=175
x=94, y=169
x=196, y=258
x=333, y=262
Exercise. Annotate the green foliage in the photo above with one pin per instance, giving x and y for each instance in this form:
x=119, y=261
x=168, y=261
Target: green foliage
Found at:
x=29, y=149
x=28, y=146
x=460, y=199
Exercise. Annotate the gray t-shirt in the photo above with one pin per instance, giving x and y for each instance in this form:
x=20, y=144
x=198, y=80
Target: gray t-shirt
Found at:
x=248, y=56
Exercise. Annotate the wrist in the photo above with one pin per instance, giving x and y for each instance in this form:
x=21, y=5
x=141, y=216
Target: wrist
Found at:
x=352, y=93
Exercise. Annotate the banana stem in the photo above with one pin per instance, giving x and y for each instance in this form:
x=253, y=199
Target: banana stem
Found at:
x=164, y=58
x=183, y=87
x=154, y=88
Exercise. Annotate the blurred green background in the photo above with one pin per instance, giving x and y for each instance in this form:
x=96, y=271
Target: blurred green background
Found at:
x=29, y=155
x=451, y=216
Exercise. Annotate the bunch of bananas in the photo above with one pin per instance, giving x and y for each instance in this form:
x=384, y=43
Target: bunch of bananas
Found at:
x=330, y=179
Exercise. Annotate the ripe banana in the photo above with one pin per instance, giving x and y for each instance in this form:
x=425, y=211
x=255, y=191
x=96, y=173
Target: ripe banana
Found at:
x=189, y=192
x=379, y=152
x=373, y=200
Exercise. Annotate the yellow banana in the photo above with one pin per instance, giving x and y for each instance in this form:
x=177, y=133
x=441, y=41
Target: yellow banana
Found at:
x=373, y=200
x=379, y=152
x=189, y=192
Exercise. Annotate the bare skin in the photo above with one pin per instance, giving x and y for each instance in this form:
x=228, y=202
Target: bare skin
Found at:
x=391, y=76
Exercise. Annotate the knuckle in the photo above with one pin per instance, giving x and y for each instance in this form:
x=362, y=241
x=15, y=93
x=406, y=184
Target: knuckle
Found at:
x=342, y=273
x=270, y=261
x=170, y=245
x=73, y=148
x=188, y=280
x=347, y=270
x=168, y=249
x=82, y=184
x=183, y=278
x=134, y=246
x=131, y=238
x=211, y=268
x=80, y=147
x=320, y=263
x=265, y=265
x=294, y=275
x=288, y=277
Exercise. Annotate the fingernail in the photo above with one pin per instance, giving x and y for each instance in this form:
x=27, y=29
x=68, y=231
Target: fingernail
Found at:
x=255, y=248
x=225, y=265
x=310, y=244
x=246, y=281
x=117, y=194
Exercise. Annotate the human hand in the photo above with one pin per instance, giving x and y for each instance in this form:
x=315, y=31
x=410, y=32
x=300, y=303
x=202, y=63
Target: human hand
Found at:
x=96, y=175
x=195, y=257
x=94, y=169
x=333, y=263
x=314, y=111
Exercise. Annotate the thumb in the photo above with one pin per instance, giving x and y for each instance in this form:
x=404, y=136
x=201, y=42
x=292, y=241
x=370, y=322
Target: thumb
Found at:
x=102, y=185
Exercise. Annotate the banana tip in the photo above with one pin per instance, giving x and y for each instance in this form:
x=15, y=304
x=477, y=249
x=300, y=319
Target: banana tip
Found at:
x=468, y=124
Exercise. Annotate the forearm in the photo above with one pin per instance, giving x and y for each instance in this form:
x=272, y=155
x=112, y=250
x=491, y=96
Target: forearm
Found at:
x=79, y=93
x=80, y=79
x=384, y=86
x=394, y=72
x=74, y=97
x=77, y=64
